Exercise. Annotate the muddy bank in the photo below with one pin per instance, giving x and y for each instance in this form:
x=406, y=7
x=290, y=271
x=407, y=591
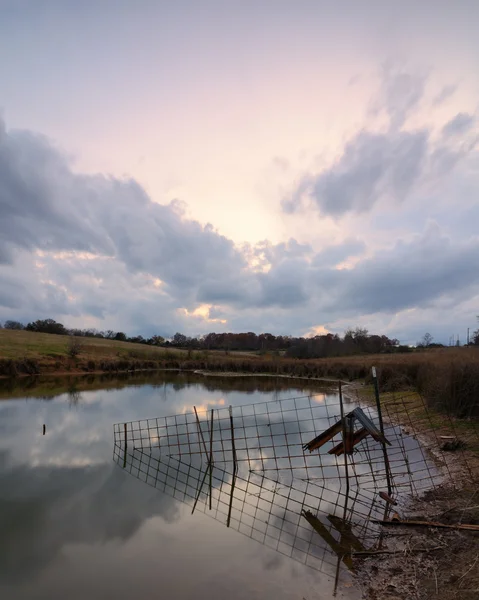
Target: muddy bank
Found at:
x=426, y=563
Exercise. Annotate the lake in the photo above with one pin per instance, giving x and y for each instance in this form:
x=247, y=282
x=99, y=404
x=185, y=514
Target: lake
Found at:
x=83, y=516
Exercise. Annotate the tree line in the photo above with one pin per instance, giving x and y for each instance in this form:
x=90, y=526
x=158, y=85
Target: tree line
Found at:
x=354, y=341
x=52, y=326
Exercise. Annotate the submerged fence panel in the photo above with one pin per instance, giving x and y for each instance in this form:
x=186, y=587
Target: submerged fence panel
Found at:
x=251, y=467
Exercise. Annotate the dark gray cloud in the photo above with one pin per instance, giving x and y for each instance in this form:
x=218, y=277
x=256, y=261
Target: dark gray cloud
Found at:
x=44, y=205
x=411, y=274
x=52, y=508
x=459, y=125
x=400, y=93
x=373, y=167
x=387, y=167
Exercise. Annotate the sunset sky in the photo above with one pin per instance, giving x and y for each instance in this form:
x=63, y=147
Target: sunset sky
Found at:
x=292, y=167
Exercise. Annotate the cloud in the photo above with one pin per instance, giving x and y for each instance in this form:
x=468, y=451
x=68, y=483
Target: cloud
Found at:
x=96, y=251
x=52, y=503
x=372, y=167
x=400, y=93
x=336, y=254
x=459, y=125
x=386, y=167
x=412, y=273
x=46, y=206
x=446, y=92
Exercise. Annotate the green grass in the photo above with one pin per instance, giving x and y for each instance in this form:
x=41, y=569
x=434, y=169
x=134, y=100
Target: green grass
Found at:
x=28, y=344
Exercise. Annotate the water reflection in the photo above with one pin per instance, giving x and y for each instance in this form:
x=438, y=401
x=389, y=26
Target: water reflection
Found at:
x=72, y=524
x=49, y=386
x=306, y=522
x=246, y=466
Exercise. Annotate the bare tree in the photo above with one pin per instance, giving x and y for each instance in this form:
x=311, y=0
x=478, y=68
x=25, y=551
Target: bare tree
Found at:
x=426, y=341
x=75, y=346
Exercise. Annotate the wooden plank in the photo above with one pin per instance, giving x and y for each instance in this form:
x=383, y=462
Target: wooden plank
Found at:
x=349, y=434
x=324, y=437
x=369, y=425
x=358, y=436
x=387, y=498
x=335, y=546
x=464, y=526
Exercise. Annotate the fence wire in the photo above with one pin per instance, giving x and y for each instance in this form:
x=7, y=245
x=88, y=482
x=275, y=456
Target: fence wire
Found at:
x=245, y=466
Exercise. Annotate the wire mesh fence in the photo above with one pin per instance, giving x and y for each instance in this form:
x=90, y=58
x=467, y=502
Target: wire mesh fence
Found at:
x=275, y=512
x=250, y=467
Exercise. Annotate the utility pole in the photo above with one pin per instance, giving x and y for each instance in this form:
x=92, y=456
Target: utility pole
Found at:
x=468, y=336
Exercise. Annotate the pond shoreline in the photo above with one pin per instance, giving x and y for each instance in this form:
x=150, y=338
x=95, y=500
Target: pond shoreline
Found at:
x=420, y=562
x=203, y=372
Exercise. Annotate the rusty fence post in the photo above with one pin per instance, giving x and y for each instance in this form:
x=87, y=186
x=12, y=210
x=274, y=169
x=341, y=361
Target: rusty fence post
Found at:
x=381, y=428
x=126, y=444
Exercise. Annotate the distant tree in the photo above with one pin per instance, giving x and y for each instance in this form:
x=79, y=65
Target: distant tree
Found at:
x=179, y=340
x=13, y=325
x=76, y=332
x=120, y=336
x=156, y=340
x=137, y=339
x=475, y=338
x=426, y=341
x=47, y=326
x=109, y=334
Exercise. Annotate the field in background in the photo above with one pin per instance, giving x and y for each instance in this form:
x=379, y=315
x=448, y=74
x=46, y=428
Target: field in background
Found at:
x=447, y=377
x=29, y=344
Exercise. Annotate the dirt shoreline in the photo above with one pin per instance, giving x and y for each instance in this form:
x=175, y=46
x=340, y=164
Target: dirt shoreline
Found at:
x=425, y=563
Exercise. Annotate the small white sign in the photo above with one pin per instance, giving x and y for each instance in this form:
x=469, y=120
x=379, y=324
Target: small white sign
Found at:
x=373, y=370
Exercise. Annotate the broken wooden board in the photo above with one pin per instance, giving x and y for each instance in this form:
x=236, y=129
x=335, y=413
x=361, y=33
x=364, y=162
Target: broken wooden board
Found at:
x=369, y=425
x=387, y=498
x=324, y=437
x=464, y=526
x=358, y=436
x=341, y=548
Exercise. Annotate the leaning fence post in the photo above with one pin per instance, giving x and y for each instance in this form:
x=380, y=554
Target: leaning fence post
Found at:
x=200, y=432
x=233, y=446
x=235, y=467
x=210, y=462
x=381, y=428
x=126, y=445
x=346, y=435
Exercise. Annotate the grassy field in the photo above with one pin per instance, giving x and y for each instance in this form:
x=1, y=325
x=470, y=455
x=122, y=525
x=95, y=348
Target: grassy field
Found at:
x=28, y=344
x=447, y=377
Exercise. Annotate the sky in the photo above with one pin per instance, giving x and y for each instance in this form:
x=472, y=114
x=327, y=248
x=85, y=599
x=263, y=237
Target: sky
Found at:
x=269, y=166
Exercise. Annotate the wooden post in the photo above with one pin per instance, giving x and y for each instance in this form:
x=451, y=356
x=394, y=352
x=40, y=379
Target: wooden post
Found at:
x=126, y=445
x=200, y=488
x=233, y=446
x=201, y=433
x=347, y=435
x=381, y=428
x=211, y=456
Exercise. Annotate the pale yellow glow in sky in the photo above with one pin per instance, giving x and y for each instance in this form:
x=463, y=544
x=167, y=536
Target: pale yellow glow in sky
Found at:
x=201, y=312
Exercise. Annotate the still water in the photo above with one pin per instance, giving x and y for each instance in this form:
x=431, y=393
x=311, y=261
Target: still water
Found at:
x=73, y=524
